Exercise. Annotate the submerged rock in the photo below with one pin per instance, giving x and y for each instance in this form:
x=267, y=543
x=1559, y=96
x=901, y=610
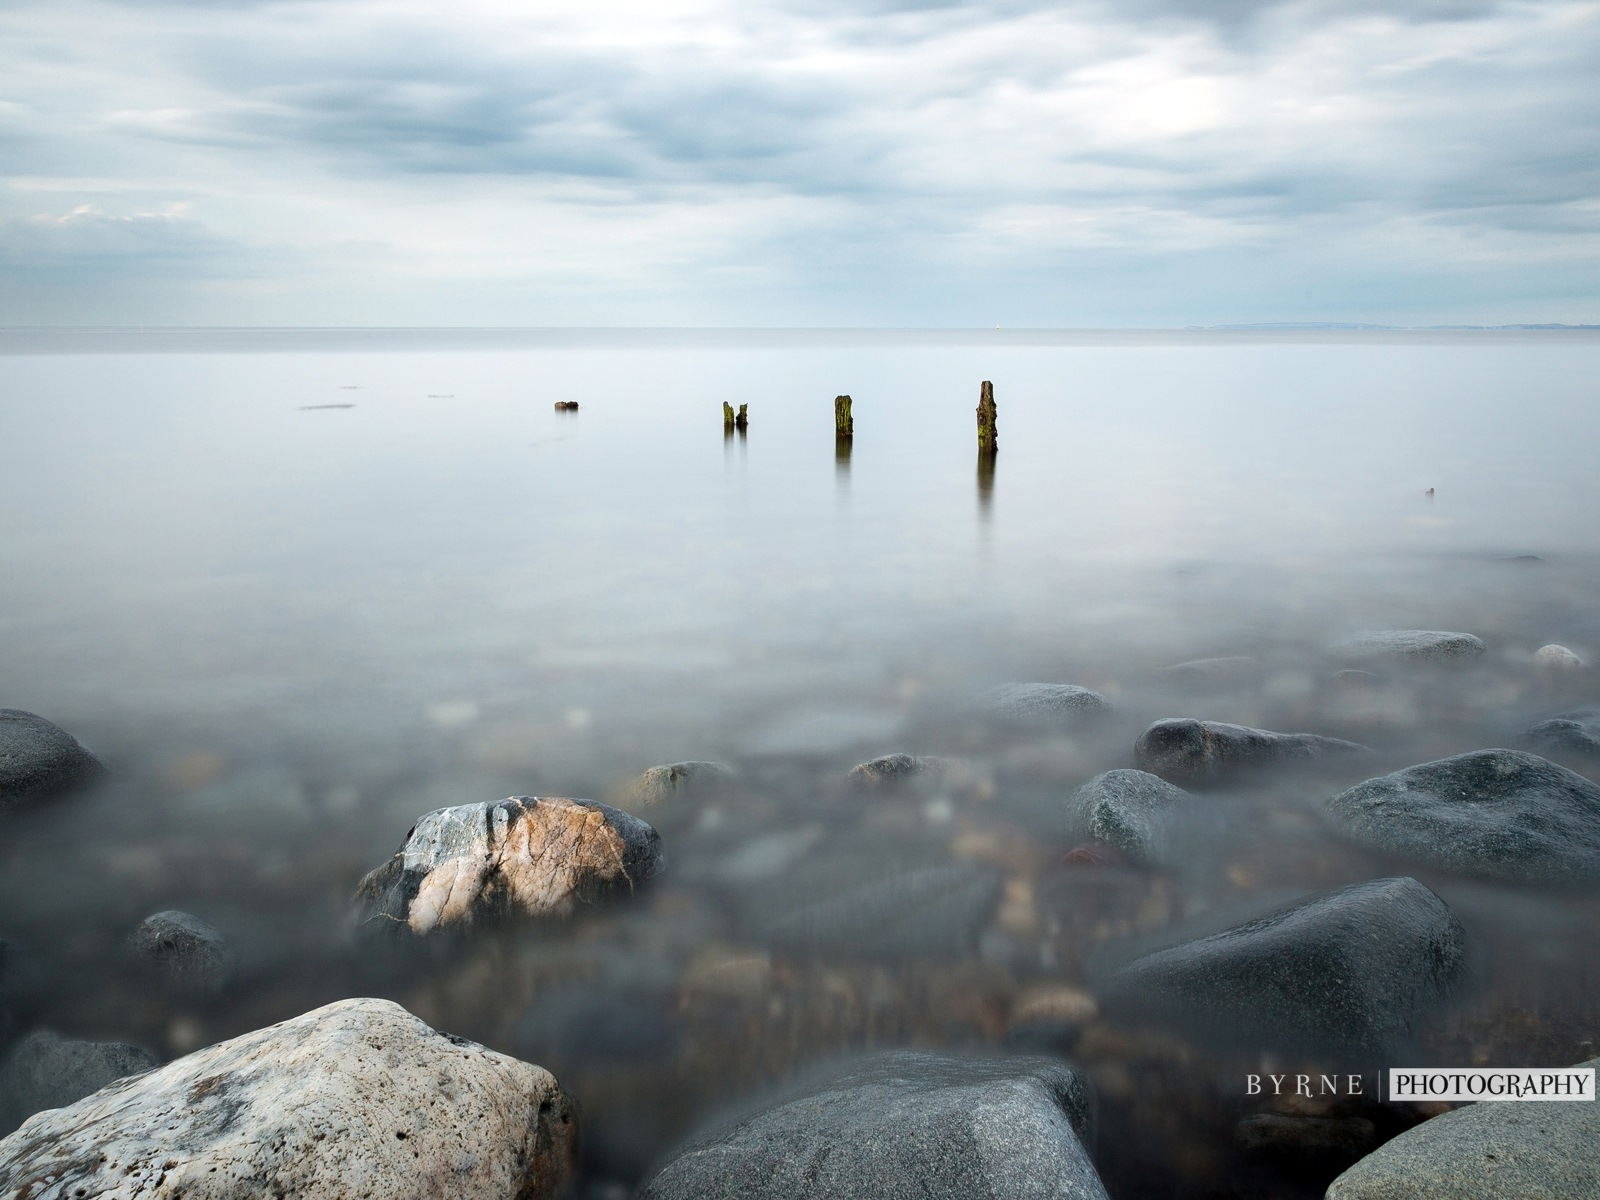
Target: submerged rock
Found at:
x=185, y=951
x=900, y=1126
x=1410, y=646
x=526, y=856
x=1575, y=732
x=1355, y=970
x=660, y=784
x=355, y=1099
x=38, y=759
x=1231, y=669
x=1052, y=705
x=45, y=1070
x=1500, y=814
x=1556, y=660
x=894, y=770
x=1486, y=1151
x=924, y=912
x=1184, y=750
x=1127, y=809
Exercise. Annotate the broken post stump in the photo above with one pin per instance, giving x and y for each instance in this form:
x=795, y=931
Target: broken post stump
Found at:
x=727, y=417
x=566, y=406
x=844, y=425
x=988, y=437
x=742, y=421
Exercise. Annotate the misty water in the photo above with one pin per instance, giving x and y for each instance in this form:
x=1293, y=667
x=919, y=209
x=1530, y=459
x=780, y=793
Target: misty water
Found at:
x=297, y=590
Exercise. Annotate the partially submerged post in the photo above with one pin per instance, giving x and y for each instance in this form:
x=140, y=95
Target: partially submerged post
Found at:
x=727, y=419
x=742, y=421
x=566, y=406
x=988, y=438
x=844, y=425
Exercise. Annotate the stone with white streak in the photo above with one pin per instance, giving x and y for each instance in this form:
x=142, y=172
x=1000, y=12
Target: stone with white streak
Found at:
x=526, y=856
x=359, y=1098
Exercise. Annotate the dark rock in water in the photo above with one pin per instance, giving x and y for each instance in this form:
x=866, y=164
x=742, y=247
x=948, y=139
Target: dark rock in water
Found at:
x=527, y=856
x=1409, y=646
x=1046, y=705
x=1575, y=732
x=1355, y=970
x=44, y=1070
x=660, y=784
x=1499, y=814
x=1127, y=809
x=892, y=770
x=184, y=951
x=1188, y=751
x=925, y=912
x=1486, y=1152
x=38, y=759
x=586, y=1024
x=902, y=1126
x=358, y=1098
x=1299, y=1137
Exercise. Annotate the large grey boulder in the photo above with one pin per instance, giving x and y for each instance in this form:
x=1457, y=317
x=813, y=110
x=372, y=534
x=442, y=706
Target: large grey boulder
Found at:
x=1354, y=972
x=1184, y=750
x=1127, y=809
x=1499, y=814
x=1487, y=1151
x=38, y=759
x=45, y=1070
x=1575, y=732
x=358, y=1098
x=900, y=1126
x=527, y=856
x=183, y=951
x=1424, y=646
x=1044, y=705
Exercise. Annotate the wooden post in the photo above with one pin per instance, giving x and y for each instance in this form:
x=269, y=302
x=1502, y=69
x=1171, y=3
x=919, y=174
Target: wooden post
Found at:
x=742, y=421
x=727, y=418
x=988, y=436
x=844, y=425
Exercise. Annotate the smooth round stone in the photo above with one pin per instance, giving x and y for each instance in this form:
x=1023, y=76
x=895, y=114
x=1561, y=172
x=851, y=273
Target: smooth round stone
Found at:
x=1557, y=660
x=1500, y=814
x=183, y=950
x=38, y=759
x=1127, y=809
x=1189, y=751
x=1410, y=646
x=1575, y=732
x=1059, y=705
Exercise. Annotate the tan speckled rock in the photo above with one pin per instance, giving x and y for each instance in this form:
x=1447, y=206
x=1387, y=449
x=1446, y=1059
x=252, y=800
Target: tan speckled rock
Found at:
x=359, y=1098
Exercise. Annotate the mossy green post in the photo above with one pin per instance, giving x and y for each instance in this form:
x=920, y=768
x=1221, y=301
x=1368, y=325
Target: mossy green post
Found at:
x=988, y=436
x=727, y=417
x=844, y=425
x=743, y=419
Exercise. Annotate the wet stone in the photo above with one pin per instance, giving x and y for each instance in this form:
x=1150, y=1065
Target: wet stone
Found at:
x=526, y=856
x=1409, y=646
x=1575, y=732
x=661, y=784
x=1557, y=660
x=357, y=1098
x=1486, y=1152
x=1127, y=809
x=1185, y=750
x=39, y=760
x=1499, y=814
x=896, y=770
x=1044, y=705
x=1354, y=971
x=898, y=1126
x=183, y=951
x=45, y=1070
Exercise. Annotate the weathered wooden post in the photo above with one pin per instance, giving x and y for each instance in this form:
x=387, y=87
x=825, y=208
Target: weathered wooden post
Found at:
x=844, y=425
x=566, y=406
x=742, y=421
x=727, y=419
x=988, y=436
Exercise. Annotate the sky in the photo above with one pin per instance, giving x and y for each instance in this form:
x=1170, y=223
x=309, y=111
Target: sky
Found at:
x=1146, y=163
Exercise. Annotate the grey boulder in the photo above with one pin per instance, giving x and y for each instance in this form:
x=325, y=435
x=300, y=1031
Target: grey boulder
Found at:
x=1184, y=750
x=1499, y=814
x=45, y=1070
x=1486, y=1151
x=527, y=856
x=38, y=759
x=183, y=951
x=1127, y=809
x=1575, y=732
x=900, y=1126
x=1353, y=971
x=1430, y=646
x=661, y=784
x=358, y=1098
x=1044, y=705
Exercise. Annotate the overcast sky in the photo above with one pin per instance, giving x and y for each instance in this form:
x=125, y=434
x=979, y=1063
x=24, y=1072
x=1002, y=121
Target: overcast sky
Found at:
x=798, y=162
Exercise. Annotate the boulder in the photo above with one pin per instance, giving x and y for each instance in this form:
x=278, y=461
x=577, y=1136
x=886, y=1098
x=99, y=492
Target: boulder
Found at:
x=355, y=1099
x=1044, y=705
x=526, y=856
x=899, y=1126
x=1557, y=660
x=45, y=1070
x=1486, y=1151
x=1409, y=646
x=1575, y=732
x=1127, y=809
x=1352, y=972
x=663, y=783
x=183, y=951
x=1184, y=750
x=1498, y=814
x=39, y=760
